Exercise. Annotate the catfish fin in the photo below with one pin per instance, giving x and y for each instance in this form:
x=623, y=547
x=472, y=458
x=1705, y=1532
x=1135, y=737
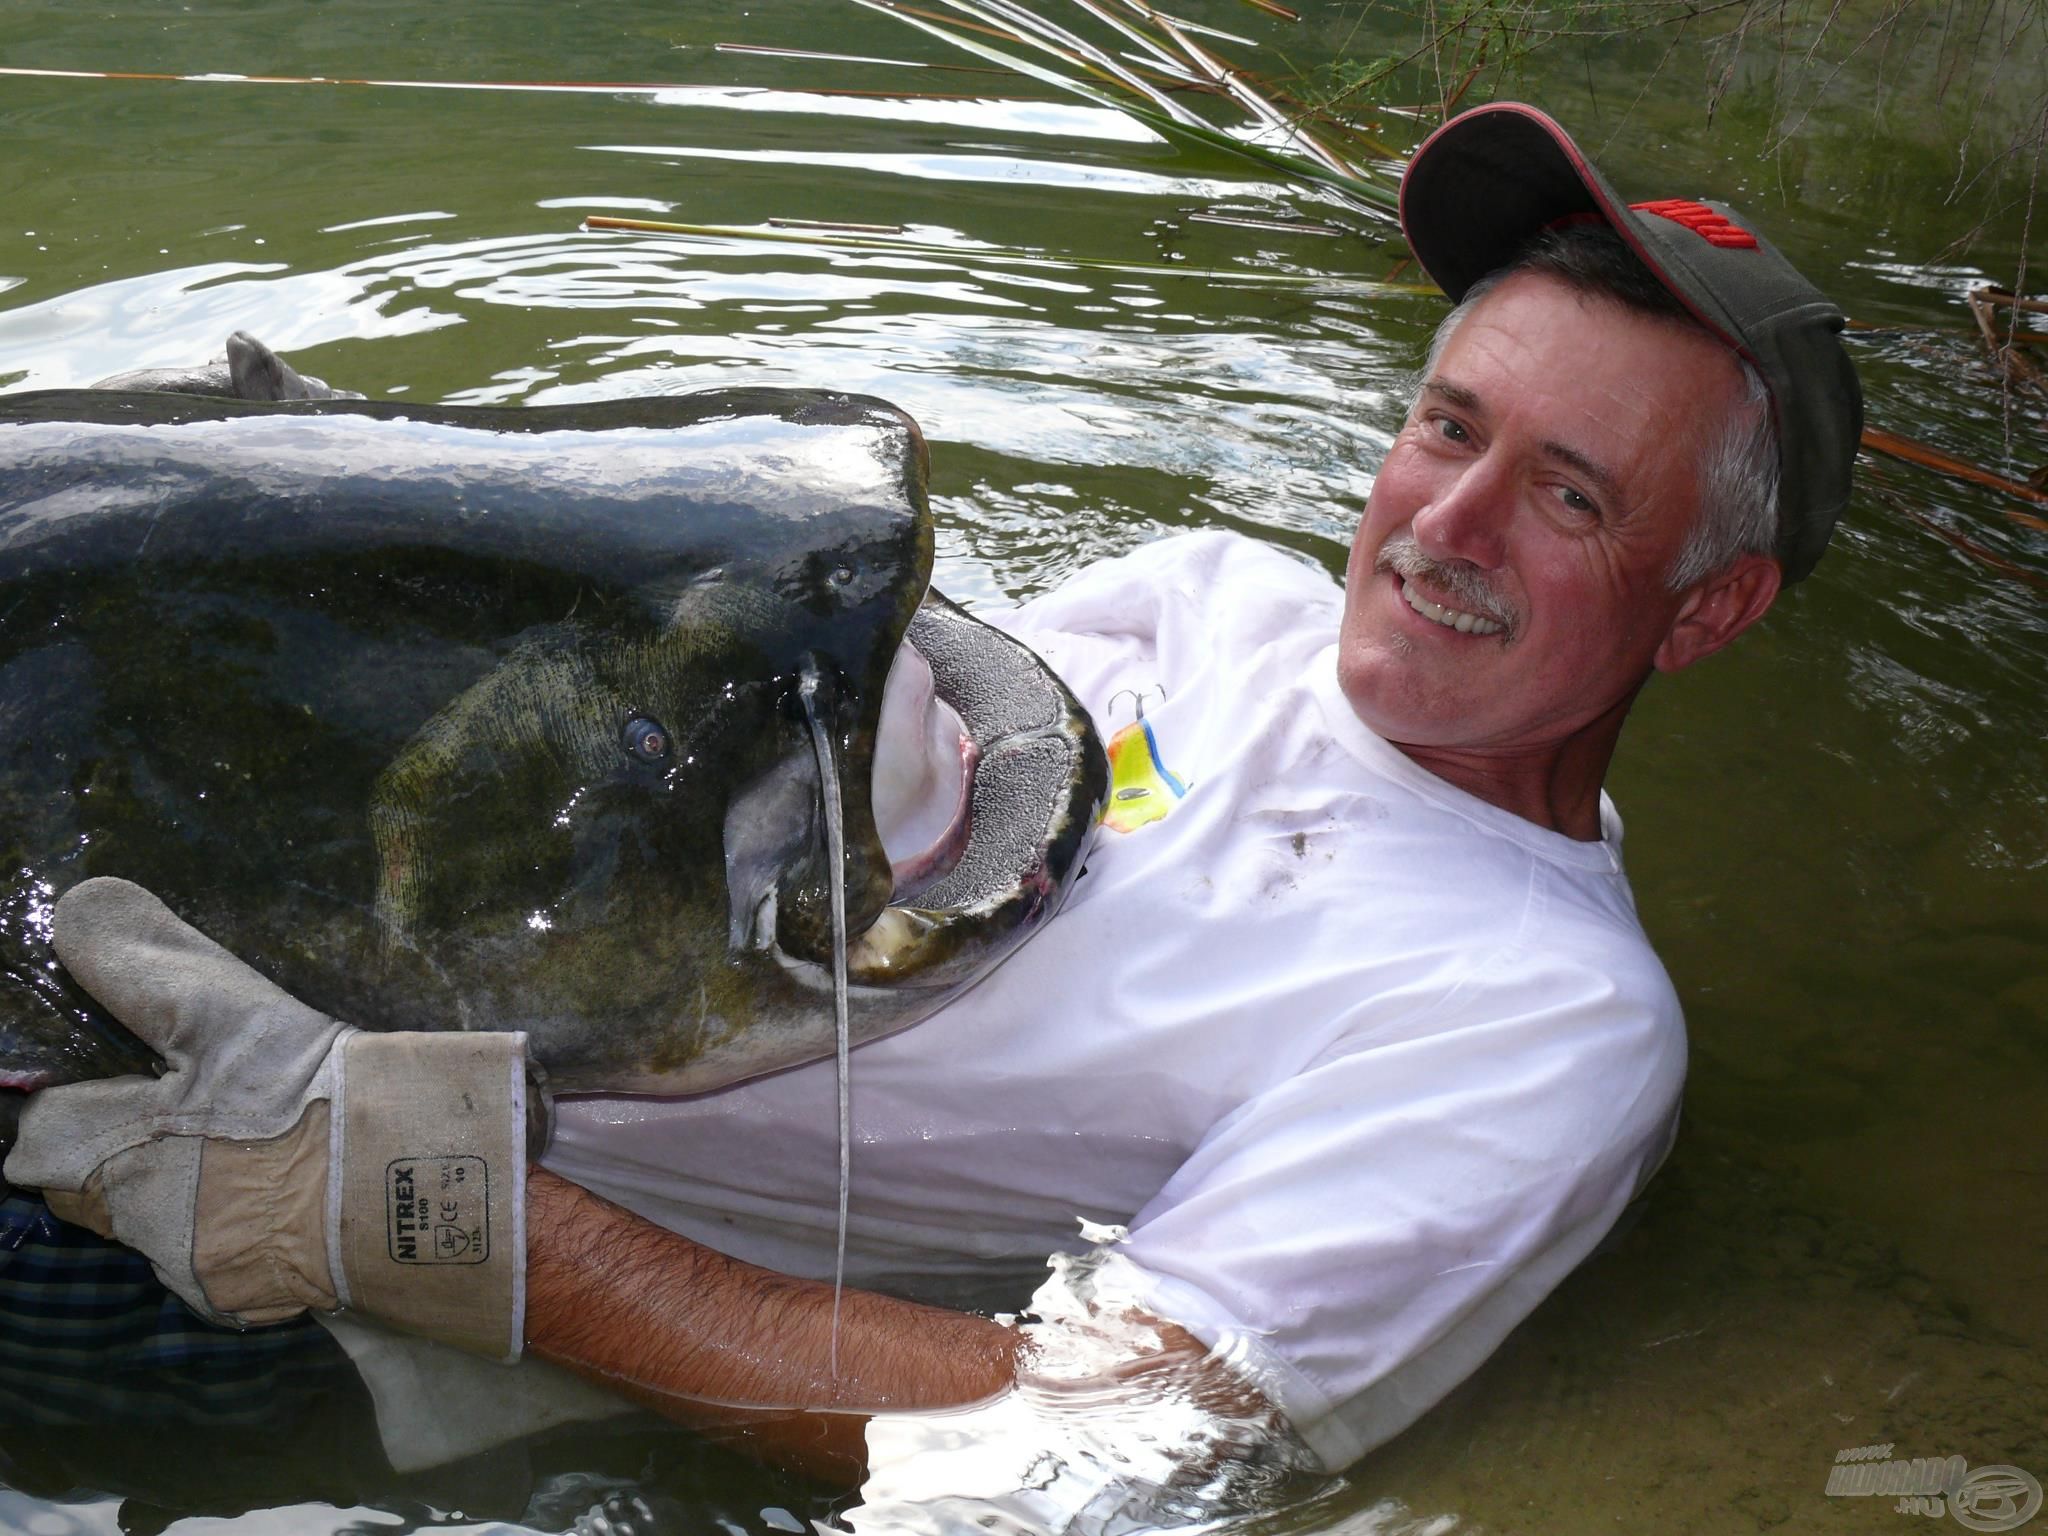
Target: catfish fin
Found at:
x=257, y=373
x=248, y=370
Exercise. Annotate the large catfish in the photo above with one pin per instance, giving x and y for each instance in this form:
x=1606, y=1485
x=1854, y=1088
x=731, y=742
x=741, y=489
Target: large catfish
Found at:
x=490, y=719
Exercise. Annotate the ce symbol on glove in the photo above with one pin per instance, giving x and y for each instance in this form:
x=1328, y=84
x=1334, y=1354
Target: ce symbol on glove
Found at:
x=285, y=1160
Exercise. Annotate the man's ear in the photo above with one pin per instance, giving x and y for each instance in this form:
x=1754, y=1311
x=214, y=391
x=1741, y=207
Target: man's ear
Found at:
x=1718, y=609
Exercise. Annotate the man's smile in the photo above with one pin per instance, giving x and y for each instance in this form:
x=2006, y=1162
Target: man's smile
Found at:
x=1457, y=596
x=1451, y=618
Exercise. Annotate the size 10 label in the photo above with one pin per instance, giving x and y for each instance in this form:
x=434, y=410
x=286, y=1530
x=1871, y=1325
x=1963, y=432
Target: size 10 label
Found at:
x=437, y=1210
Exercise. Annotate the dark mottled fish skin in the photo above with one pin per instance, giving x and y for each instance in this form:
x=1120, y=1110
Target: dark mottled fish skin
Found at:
x=345, y=684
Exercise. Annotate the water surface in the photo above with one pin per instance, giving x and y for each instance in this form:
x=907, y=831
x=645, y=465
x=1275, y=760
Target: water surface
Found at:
x=1836, y=831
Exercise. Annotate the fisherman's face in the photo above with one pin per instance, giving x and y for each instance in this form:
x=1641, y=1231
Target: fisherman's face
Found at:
x=1507, y=585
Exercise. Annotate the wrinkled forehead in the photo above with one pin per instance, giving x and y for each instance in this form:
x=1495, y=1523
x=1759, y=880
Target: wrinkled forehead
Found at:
x=1544, y=290
x=1607, y=341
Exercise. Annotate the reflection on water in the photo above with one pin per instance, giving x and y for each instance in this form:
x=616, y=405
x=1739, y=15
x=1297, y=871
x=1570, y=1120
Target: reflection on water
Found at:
x=1838, y=832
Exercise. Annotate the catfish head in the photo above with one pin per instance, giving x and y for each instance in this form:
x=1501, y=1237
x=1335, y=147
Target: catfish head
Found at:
x=560, y=844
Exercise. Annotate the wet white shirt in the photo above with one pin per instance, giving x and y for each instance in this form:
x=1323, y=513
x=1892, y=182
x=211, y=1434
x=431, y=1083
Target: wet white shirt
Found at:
x=1365, y=1064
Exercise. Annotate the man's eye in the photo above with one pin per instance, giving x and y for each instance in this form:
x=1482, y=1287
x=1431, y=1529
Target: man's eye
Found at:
x=1578, y=501
x=1453, y=431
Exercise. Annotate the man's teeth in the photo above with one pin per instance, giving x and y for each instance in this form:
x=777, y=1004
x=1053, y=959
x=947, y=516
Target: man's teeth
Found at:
x=1450, y=618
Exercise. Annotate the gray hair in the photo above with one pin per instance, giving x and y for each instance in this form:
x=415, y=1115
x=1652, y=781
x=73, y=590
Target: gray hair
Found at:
x=1738, y=476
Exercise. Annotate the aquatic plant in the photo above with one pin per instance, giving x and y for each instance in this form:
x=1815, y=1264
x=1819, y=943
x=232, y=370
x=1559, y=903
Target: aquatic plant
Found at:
x=1154, y=67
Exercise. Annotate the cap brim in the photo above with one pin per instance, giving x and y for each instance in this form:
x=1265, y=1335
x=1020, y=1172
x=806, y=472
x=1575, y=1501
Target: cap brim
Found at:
x=1486, y=183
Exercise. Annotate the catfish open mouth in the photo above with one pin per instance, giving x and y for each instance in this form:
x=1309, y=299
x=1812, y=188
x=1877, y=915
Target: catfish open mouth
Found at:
x=985, y=830
x=986, y=779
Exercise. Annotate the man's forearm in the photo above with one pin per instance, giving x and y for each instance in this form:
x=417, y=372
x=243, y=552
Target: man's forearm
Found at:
x=723, y=1345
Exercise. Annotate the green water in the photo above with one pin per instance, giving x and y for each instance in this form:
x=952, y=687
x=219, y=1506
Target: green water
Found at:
x=1836, y=831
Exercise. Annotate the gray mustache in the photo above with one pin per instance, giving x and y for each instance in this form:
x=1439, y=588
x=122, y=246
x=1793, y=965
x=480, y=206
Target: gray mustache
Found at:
x=1468, y=590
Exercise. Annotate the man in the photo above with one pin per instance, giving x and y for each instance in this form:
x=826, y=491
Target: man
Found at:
x=1360, y=1038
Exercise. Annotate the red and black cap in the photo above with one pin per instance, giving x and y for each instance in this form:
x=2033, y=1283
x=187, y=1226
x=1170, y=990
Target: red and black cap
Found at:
x=1490, y=180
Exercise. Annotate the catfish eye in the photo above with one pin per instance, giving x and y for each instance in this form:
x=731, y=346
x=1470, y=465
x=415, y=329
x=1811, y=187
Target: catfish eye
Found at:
x=644, y=738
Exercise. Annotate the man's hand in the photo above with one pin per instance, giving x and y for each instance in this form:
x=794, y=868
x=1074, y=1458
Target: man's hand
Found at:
x=284, y=1160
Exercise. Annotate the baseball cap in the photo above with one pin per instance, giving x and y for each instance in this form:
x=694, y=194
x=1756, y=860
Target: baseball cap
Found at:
x=1491, y=179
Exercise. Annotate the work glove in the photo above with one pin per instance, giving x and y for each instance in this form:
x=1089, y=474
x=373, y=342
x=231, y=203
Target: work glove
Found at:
x=284, y=1160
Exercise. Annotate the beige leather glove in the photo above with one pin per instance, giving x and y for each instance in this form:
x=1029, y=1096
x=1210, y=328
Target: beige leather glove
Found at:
x=285, y=1161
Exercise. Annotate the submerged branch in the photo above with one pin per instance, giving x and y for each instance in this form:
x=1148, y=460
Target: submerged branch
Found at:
x=1912, y=452
x=1975, y=551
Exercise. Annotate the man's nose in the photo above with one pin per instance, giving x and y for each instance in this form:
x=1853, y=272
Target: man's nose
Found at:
x=1468, y=518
